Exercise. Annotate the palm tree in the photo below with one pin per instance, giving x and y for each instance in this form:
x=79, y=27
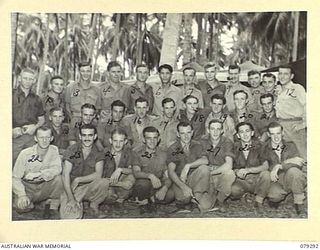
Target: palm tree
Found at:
x=170, y=39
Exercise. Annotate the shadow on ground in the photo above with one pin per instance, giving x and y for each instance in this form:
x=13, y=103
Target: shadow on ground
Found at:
x=236, y=209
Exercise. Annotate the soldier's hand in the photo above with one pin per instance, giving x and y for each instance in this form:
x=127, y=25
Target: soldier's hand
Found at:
x=156, y=183
x=187, y=191
x=242, y=173
x=161, y=193
x=29, y=129
x=274, y=173
x=23, y=202
x=16, y=132
x=115, y=176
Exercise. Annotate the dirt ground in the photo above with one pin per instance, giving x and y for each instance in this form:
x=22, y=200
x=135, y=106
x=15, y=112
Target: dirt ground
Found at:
x=236, y=209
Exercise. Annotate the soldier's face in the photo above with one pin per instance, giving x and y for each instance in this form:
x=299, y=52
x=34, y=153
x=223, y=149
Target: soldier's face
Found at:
x=43, y=138
x=234, y=76
x=115, y=74
x=85, y=73
x=240, y=101
x=118, y=141
x=245, y=133
x=210, y=73
x=141, y=109
x=285, y=75
x=87, y=137
x=87, y=115
x=165, y=76
x=267, y=104
x=268, y=83
x=56, y=118
x=275, y=135
x=169, y=108
x=142, y=74
x=217, y=106
x=151, y=139
x=254, y=80
x=215, y=130
x=189, y=76
x=185, y=134
x=192, y=105
x=117, y=113
x=57, y=86
x=27, y=79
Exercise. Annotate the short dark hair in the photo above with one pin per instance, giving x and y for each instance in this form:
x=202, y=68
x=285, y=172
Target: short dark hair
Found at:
x=113, y=64
x=88, y=106
x=242, y=124
x=150, y=129
x=57, y=109
x=119, y=131
x=184, y=124
x=88, y=126
x=210, y=65
x=253, y=72
x=269, y=75
x=215, y=121
x=165, y=66
x=234, y=66
x=274, y=125
x=142, y=66
x=219, y=97
x=185, y=99
x=266, y=96
x=118, y=103
x=140, y=99
x=240, y=91
x=42, y=128
x=189, y=68
x=84, y=64
x=166, y=100
x=56, y=77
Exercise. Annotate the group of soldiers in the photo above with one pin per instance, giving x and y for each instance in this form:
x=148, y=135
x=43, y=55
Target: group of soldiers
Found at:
x=198, y=144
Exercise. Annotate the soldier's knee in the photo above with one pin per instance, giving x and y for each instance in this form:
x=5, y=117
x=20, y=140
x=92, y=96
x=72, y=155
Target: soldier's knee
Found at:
x=236, y=191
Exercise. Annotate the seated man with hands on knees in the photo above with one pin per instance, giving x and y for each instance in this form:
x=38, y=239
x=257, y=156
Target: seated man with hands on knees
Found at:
x=37, y=175
x=251, y=171
x=82, y=176
x=190, y=180
x=152, y=181
x=285, y=165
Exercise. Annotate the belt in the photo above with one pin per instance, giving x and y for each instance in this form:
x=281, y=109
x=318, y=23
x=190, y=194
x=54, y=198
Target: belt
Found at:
x=295, y=119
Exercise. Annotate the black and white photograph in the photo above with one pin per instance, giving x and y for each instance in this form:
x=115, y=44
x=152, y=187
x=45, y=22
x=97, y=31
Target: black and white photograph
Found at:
x=159, y=115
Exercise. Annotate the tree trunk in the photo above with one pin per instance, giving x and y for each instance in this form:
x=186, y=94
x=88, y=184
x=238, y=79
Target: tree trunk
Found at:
x=187, y=47
x=203, y=44
x=92, y=38
x=115, y=44
x=139, y=39
x=199, y=39
x=170, y=39
x=44, y=59
x=295, y=36
x=14, y=27
x=66, y=59
x=95, y=56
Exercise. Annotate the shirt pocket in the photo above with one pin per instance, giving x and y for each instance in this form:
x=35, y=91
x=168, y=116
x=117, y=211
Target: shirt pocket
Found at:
x=91, y=98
